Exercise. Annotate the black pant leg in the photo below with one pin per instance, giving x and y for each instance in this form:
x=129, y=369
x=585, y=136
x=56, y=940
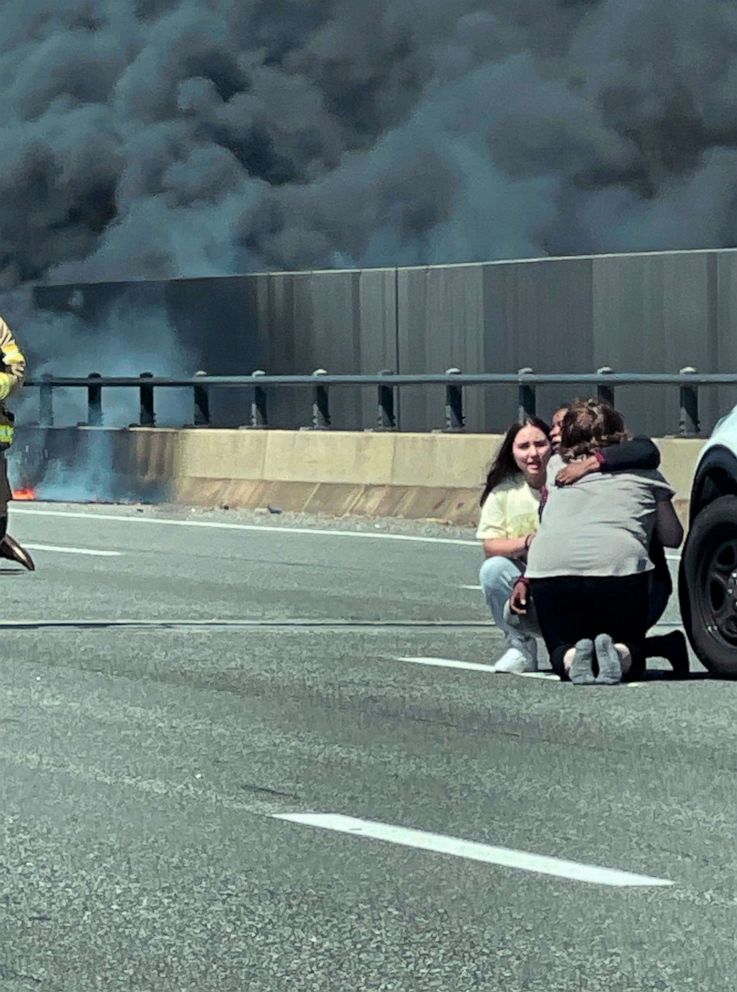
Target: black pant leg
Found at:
x=570, y=608
x=619, y=606
x=557, y=602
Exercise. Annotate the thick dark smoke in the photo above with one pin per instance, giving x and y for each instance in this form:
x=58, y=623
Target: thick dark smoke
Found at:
x=164, y=138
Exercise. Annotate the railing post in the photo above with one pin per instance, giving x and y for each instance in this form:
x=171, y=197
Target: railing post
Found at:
x=604, y=390
x=45, y=402
x=689, y=394
x=386, y=419
x=258, y=403
x=201, y=404
x=94, y=401
x=527, y=407
x=147, y=416
x=454, y=419
x=320, y=407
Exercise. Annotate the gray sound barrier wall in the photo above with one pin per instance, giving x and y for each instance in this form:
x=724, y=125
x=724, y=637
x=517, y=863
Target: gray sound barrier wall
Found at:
x=636, y=313
x=494, y=318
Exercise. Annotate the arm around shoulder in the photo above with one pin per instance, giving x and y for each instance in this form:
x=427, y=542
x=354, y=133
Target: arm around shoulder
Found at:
x=638, y=453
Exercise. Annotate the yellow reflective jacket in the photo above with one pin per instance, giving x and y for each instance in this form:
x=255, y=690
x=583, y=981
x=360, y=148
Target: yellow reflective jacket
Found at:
x=11, y=378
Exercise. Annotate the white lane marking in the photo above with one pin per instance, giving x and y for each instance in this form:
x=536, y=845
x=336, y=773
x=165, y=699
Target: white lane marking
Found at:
x=477, y=588
x=258, y=527
x=470, y=666
x=329, y=626
x=460, y=848
x=73, y=551
x=89, y=517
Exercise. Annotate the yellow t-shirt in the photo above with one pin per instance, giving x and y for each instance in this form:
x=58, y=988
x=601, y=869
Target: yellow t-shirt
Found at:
x=512, y=509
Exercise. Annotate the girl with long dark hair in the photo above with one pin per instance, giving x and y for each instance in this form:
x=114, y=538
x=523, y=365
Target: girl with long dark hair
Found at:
x=510, y=508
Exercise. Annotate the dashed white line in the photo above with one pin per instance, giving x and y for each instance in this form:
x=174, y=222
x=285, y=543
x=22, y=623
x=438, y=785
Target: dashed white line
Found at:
x=73, y=551
x=460, y=848
x=470, y=666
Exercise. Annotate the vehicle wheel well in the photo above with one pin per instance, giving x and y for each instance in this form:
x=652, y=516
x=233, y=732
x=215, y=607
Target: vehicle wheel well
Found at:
x=718, y=477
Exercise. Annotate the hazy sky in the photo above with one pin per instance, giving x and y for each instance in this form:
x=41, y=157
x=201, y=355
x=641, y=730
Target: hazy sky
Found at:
x=198, y=137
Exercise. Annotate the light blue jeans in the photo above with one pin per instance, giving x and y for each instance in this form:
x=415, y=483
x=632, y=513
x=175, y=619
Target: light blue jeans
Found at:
x=498, y=575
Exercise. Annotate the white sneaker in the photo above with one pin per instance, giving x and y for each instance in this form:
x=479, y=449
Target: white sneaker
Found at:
x=518, y=659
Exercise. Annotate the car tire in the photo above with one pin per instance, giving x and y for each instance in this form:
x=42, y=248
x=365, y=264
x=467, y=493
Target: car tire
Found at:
x=707, y=586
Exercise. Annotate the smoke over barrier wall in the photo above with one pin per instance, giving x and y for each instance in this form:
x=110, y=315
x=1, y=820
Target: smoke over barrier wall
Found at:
x=166, y=138
x=160, y=139
x=131, y=333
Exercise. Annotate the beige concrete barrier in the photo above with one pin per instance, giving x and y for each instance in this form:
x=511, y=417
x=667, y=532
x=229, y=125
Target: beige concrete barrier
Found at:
x=418, y=476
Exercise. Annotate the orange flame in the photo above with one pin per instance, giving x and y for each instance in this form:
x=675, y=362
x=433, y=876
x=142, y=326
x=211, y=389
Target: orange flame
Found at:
x=24, y=494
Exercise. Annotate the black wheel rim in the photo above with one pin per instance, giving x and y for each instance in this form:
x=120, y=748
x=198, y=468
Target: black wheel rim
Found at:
x=720, y=590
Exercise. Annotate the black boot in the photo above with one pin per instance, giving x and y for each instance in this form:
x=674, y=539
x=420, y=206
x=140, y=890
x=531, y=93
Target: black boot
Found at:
x=673, y=648
x=11, y=549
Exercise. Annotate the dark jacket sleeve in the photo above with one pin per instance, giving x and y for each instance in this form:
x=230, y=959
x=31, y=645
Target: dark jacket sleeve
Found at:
x=640, y=453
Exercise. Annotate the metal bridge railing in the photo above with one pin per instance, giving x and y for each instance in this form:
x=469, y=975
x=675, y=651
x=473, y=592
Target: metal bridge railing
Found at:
x=604, y=382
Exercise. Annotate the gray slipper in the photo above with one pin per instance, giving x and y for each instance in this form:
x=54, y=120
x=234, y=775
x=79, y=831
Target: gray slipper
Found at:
x=610, y=665
x=581, y=672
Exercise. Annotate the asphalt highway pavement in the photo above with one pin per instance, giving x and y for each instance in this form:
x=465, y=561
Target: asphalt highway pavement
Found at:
x=252, y=753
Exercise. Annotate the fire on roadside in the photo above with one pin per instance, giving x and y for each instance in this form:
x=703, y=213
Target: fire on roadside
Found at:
x=24, y=494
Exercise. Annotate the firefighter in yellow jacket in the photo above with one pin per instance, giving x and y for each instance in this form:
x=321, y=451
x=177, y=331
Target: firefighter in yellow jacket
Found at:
x=12, y=371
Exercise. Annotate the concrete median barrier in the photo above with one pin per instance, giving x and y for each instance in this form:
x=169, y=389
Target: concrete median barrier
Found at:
x=416, y=476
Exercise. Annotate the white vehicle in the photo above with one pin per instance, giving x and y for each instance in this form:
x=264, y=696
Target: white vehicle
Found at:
x=708, y=575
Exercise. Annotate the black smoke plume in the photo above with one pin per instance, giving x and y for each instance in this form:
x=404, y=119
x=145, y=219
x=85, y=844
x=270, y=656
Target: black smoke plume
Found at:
x=163, y=138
